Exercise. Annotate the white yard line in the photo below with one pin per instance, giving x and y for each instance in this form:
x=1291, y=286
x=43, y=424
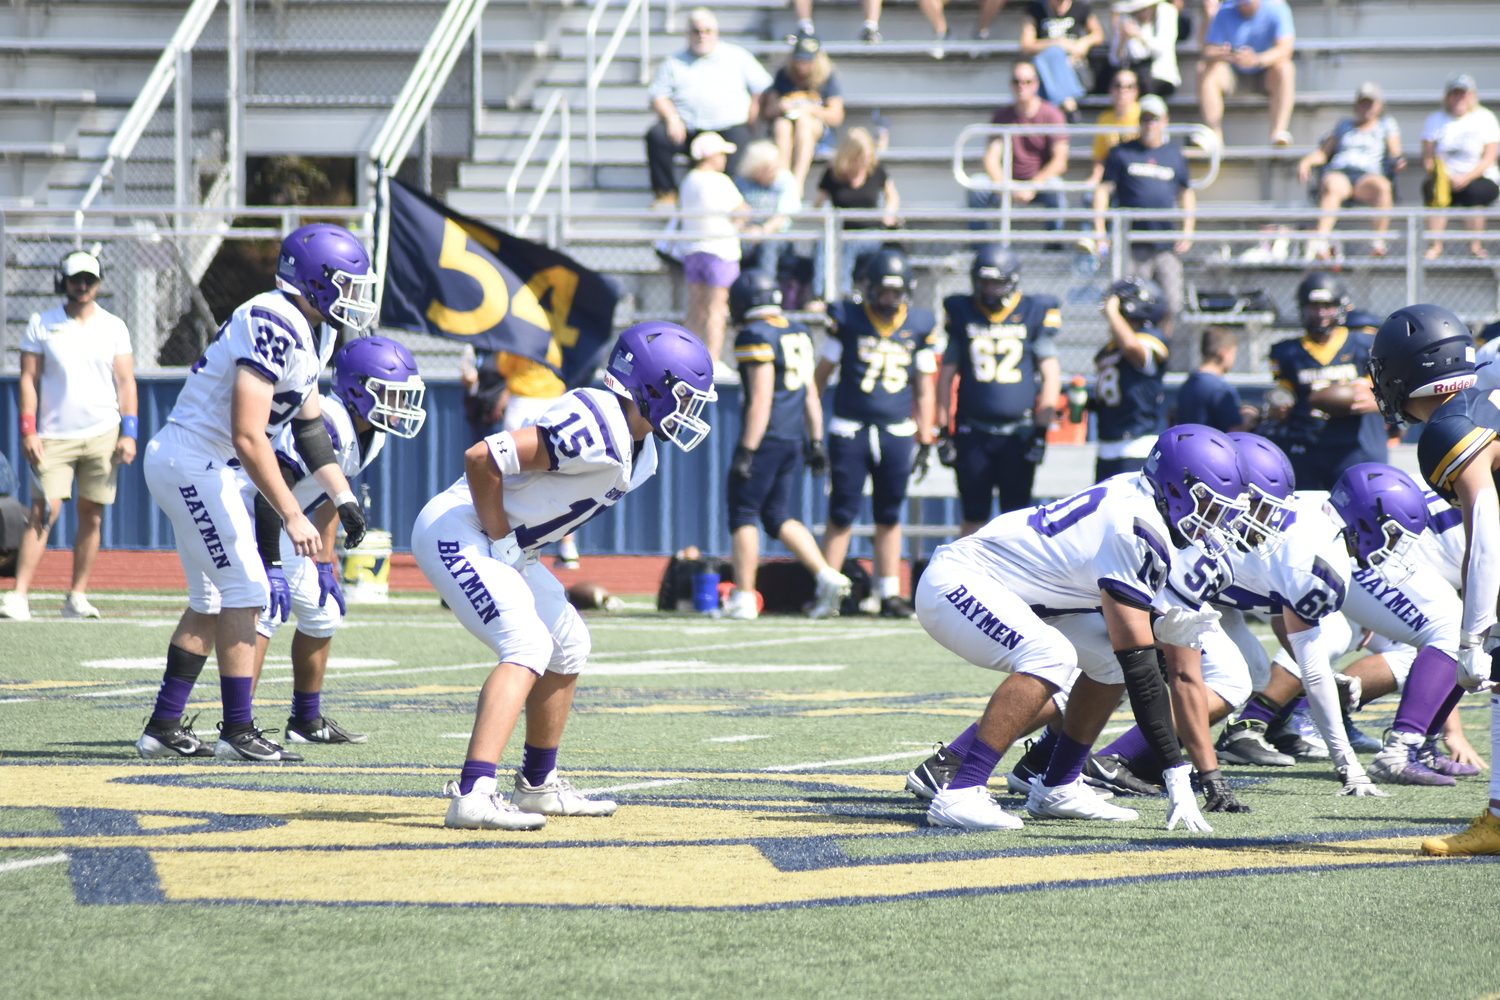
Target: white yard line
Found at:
x=638, y=784
x=852, y=760
x=50, y=859
x=16, y=701
x=861, y=634
x=734, y=739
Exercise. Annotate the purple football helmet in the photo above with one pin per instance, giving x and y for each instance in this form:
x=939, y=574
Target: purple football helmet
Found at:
x=377, y=378
x=1269, y=483
x=1194, y=471
x=329, y=267
x=668, y=374
x=1384, y=514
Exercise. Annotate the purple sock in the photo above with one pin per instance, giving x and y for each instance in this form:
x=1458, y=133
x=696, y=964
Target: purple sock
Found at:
x=978, y=764
x=961, y=743
x=472, y=772
x=1131, y=743
x=1256, y=708
x=235, y=691
x=307, y=706
x=1445, y=710
x=1145, y=765
x=171, y=700
x=1067, y=761
x=1427, y=687
x=537, y=763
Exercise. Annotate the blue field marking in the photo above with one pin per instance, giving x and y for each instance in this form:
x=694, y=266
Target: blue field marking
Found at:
x=113, y=876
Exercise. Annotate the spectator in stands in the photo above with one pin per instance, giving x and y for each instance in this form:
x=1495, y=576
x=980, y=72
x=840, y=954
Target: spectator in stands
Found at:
x=1125, y=109
x=1057, y=36
x=711, y=86
x=1150, y=172
x=1249, y=44
x=772, y=194
x=804, y=104
x=1459, y=146
x=855, y=179
x=78, y=417
x=933, y=9
x=713, y=210
x=1143, y=39
x=1354, y=158
x=1206, y=398
x=1035, y=157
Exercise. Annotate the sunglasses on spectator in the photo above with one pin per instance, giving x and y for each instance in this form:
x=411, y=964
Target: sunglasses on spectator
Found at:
x=695, y=30
x=1022, y=81
x=1124, y=86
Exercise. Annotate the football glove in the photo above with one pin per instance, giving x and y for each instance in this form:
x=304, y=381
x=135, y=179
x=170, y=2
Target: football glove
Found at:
x=1181, y=627
x=281, y=594
x=739, y=465
x=1356, y=782
x=328, y=586
x=1477, y=663
x=1182, y=803
x=947, y=450
x=1038, y=449
x=508, y=551
x=923, y=461
x=1218, y=797
x=353, y=520
x=817, y=458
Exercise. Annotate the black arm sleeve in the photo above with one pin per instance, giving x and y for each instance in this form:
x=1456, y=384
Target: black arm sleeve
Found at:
x=267, y=531
x=1146, y=683
x=313, y=442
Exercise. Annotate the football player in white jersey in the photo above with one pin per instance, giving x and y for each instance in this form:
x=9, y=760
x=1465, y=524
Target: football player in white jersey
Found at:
x=478, y=544
x=376, y=391
x=259, y=375
x=1107, y=550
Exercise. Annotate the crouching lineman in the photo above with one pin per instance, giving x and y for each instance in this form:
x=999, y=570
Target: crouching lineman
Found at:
x=376, y=390
x=781, y=421
x=478, y=543
x=1001, y=348
x=1422, y=366
x=1107, y=549
x=259, y=375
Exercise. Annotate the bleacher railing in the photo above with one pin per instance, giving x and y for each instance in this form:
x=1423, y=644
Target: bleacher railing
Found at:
x=596, y=68
x=561, y=158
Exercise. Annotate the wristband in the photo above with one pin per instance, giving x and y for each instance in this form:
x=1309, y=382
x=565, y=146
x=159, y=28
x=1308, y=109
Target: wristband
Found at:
x=345, y=497
x=130, y=425
x=28, y=424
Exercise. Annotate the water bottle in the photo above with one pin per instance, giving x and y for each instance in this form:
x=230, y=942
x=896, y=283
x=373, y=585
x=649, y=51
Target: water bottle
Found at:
x=1078, y=400
x=706, y=593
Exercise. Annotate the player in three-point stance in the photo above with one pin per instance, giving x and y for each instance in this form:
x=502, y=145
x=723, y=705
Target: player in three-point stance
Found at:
x=1001, y=349
x=259, y=375
x=1107, y=550
x=478, y=544
x=1422, y=366
x=376, y=391
x=781, y=422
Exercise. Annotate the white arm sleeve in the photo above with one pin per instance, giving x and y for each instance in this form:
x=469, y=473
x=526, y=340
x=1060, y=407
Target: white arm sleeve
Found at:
x=1322, y=692
x=1482, y=577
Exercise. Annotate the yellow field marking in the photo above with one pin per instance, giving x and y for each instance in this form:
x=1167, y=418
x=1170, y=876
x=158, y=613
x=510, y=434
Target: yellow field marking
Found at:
x=817, y=713
x=828, y=695
x=424, y=689
x=146, y=821
x=43, y=685
x=668, y=709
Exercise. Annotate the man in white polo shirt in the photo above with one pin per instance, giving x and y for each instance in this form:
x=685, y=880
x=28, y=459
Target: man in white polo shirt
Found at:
x=78, y=417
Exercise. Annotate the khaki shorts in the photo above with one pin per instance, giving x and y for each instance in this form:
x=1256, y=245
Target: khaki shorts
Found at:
x=91, y=458
x=1234, y=81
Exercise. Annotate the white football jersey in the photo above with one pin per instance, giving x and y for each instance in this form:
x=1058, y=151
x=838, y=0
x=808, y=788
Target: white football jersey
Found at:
x=593, y=465
x=1309, y=573
x=352, y=458
x=1196, y=576
x=267, y=334
x=1057, y=558
x=1443, y=544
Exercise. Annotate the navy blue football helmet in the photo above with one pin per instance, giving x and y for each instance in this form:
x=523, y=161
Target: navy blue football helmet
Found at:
x=994, y=275
x=1141, y=300
x=752, y=290
x=1421, y=350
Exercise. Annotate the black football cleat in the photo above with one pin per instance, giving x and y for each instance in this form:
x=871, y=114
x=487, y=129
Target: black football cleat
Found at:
x=171, y=739
x=933, y=774
x=251, y=745
x=320, y=730
x=1109, y=771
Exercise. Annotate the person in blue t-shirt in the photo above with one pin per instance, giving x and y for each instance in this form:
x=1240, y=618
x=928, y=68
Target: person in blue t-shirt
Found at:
x=1150, y=172
x=1206, y=398
x=1249, y=44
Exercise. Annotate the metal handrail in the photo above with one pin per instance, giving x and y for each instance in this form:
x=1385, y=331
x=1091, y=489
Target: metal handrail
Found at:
x=163, y=75
x=420, y=92
x=564, y=139
x=1202, y=133
x=595, y=71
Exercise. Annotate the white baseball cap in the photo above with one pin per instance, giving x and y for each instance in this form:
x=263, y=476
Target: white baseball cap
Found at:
x=709, y=143
x=1151, y=104
x=80, y=262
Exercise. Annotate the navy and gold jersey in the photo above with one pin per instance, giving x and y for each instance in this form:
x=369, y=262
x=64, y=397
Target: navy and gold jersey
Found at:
x=787, y=346
x=1303, y=366
x=997, y=353
x=1457, y=432
x=878, y=359
x=1127, y=398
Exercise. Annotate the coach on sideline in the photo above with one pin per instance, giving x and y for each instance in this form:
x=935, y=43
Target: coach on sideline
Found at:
x=78, y=416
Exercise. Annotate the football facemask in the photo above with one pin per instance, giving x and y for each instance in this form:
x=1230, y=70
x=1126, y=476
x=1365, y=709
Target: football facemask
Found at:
x=684, y=426
x=398, y=405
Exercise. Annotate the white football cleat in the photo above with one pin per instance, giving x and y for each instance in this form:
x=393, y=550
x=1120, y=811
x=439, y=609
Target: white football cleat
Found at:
x=556, y=797
x=742, y=606
x=833, y=587
x=484, y=808
x=1075, y=800
x=15, y=607
x=969, y=809
x=78, y=606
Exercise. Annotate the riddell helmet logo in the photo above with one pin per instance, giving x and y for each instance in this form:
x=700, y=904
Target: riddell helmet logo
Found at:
x=1455, y=385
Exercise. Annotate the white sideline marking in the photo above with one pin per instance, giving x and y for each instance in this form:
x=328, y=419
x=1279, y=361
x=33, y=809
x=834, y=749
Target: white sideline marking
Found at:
x=851, y=634
x=638, y=784
x=734, y=739
x=272, y=663
x=16, y=701
x=106, y=694
x=454, y=736
x=699, y=667
x=852, y=760
x=1112, y=730
x=50, y=859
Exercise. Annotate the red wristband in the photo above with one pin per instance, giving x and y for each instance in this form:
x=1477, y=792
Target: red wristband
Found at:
x=28, y=424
